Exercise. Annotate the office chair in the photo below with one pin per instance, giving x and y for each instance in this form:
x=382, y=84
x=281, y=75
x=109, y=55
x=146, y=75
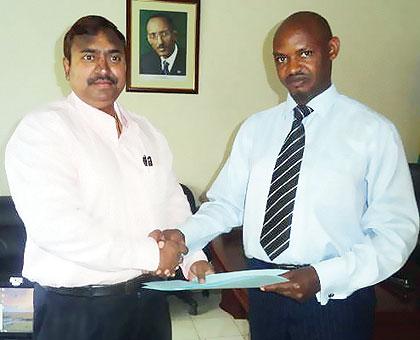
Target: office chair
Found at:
x=403, y=280
x=12, y=239
x=15, y=322
x=187, y=296
x=415, y=175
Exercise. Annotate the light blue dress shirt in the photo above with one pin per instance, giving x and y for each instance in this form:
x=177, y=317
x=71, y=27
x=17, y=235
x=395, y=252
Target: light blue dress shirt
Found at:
x=355, y=218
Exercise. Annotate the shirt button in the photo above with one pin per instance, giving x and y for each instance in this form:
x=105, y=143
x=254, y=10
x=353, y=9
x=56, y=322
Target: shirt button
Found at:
x=330, y=295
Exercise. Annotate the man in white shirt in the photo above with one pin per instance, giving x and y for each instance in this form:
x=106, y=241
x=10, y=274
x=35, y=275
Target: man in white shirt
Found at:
x=91, y=181
x=338, y=209
x=166, y=57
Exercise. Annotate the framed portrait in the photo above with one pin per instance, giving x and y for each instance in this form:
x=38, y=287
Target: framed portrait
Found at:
x=163, y=45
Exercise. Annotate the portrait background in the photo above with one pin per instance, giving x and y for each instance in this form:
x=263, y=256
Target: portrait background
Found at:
x=180, y=22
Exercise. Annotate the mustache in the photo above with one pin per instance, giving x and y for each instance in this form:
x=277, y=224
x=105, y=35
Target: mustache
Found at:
x=111, y=79
x=295, y=76
x=298, y=76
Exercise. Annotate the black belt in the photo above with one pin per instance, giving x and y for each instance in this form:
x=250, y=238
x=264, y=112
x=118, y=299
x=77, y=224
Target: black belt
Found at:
x=122, y=288
x=290, y=266
x=254, y=263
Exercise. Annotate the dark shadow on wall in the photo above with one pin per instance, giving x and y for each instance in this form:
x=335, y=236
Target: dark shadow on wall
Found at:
x=414, y=98
x=270, y=69
x=60, y=78
x=203, y=198
x=415, y=88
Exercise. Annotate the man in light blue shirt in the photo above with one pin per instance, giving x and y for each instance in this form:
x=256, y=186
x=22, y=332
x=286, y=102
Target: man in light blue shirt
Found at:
x=354, y=220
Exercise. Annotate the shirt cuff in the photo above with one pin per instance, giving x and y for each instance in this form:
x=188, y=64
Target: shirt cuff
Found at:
x=150, y=248
x=332, y=278
x=187, y=231
x=190, y=259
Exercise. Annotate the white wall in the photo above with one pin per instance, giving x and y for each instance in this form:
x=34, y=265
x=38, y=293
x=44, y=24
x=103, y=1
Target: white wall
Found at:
x=379, y=65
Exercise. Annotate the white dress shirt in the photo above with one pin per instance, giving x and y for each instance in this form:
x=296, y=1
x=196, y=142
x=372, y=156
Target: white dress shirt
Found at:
x=355, y=218
x=170, y=60
x=87, y=198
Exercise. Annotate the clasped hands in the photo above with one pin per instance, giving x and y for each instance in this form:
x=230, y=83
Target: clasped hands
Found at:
x=172, y=249
x=302, y=283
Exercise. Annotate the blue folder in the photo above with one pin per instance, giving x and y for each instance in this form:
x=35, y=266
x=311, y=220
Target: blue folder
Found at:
x=238, y=279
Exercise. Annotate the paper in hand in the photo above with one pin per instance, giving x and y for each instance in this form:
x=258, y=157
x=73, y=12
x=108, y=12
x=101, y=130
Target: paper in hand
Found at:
x=237, y=279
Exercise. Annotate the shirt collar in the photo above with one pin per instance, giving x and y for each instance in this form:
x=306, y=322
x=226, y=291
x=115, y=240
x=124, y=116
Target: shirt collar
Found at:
x=320, y=104
x=93, y=114
x=170, y=59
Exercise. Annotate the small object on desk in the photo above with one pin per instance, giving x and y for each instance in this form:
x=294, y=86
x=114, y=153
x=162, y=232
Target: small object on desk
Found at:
x=236, y=279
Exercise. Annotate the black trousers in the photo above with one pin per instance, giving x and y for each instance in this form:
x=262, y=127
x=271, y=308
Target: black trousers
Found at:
x=140, y=316
x=276, y=317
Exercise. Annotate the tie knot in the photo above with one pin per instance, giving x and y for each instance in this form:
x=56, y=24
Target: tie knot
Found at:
x=301, y=111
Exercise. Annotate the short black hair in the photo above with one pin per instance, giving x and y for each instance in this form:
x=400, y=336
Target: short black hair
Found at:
x=321, y=22
x=164, y=16
x=90, y=25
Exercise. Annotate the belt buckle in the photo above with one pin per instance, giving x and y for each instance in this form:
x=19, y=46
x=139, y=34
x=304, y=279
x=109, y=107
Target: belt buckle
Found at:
x=291, y=266
x=91, y=287
x=97, y=290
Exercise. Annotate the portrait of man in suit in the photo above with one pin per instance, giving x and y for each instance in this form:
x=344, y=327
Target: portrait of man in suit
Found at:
x=166, y=56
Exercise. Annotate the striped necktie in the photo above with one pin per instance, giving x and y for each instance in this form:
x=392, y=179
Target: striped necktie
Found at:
x=165, y=69
x=275, y=233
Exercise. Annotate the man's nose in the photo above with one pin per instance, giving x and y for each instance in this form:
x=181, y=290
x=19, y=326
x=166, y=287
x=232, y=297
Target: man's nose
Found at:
x=102, y=65
x=159, y=39
x=294, y=66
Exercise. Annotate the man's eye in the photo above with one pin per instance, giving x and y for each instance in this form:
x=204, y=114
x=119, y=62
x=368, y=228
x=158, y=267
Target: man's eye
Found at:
x=306, y=54
x=280, y=59
x=115, y=58
x=88, y=57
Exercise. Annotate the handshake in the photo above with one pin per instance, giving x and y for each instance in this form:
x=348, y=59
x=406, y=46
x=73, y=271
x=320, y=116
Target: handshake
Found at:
x=172, y=249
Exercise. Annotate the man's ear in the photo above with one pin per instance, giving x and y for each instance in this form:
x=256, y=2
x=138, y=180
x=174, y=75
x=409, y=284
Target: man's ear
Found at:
x=66, y=65
x=333, y=47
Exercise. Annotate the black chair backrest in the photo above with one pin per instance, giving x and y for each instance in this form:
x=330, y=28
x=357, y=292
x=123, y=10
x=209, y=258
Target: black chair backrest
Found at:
x=415, y=175
x=190, y=198
x=12, y=239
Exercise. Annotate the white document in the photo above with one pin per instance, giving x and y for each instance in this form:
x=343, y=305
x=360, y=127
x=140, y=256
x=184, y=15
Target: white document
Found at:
x=237, y=279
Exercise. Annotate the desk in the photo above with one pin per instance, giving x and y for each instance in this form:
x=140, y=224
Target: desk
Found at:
x=397, y=313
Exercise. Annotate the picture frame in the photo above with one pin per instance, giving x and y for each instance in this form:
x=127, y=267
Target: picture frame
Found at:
x=162, y=45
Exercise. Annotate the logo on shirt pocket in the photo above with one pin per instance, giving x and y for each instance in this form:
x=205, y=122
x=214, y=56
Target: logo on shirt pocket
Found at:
x=147, y=160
